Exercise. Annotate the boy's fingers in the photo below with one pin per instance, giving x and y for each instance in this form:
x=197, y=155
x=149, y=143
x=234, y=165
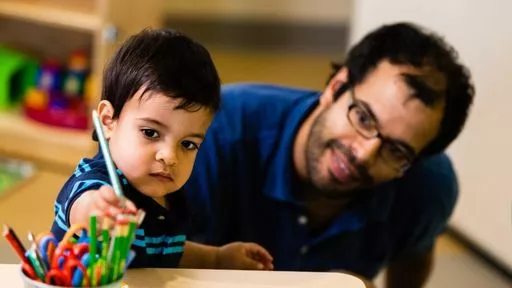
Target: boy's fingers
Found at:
x=269, y=266
x=259, y=255
x=107, y=208
x=108, y=194
x=259, y=251
x=130, y=206
x=249, y=264
x=265, y=254
x=101, y=205
x=112, y=212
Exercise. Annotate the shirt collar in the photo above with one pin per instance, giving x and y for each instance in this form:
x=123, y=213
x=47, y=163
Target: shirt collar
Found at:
x=281, y=171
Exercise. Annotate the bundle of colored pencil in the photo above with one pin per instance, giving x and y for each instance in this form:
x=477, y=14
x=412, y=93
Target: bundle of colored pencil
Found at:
x=84, y=257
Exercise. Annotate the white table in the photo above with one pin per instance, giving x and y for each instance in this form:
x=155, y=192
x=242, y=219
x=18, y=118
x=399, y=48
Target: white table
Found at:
x=192, y=278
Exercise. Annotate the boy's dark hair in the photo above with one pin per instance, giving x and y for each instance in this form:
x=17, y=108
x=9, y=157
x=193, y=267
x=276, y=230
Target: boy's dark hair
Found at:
x=441, y=76
x=164, y=61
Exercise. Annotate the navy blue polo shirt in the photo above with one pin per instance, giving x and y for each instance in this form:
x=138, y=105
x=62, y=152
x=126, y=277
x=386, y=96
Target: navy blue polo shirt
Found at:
x=159, y=240
x=242, y=188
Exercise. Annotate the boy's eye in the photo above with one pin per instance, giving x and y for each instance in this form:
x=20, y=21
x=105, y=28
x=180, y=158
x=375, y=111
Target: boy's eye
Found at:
x=189, y=145
x=149, y=133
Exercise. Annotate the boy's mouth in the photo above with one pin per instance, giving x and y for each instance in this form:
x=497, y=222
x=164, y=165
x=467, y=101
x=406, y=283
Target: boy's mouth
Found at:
x=162, y=176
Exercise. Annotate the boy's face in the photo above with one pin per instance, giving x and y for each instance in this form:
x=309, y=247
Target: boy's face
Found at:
x=153, y=143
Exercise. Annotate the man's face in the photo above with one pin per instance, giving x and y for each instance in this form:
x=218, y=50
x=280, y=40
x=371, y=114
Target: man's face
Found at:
x=343, y=152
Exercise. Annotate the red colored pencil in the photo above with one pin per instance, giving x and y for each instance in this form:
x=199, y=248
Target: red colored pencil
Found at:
x=16, y=244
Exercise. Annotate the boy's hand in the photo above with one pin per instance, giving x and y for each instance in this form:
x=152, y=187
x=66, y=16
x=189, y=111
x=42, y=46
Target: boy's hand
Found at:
x=243, y=256
x=102, y=202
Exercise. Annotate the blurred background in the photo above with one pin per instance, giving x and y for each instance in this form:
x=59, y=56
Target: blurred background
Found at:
x=52, y=53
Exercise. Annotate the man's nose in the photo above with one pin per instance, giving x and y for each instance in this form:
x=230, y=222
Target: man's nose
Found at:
x=367, y=150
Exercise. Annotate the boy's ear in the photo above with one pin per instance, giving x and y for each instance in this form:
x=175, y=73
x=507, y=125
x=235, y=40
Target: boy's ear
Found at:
x=106, y=115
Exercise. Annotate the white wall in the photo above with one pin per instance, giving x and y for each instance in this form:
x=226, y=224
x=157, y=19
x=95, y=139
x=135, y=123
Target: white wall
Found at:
x=318, y=11
x=482, y=33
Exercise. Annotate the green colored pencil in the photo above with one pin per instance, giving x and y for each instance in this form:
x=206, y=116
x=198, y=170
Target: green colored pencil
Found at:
x=127, y=230
x=36, y=264
x=105, y=235
x=92, y=248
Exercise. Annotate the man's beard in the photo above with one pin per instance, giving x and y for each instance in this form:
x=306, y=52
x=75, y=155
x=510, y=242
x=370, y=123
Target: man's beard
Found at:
x=315, y=147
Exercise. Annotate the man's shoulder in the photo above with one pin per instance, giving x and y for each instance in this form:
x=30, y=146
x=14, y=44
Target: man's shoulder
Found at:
x=249, y=109
x=428, y=191
x=257, y=98
x=434, y=175
x=423, y=202
x=245, y=91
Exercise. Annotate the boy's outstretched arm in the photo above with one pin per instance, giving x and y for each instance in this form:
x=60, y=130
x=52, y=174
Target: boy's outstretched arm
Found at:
x=236, y=255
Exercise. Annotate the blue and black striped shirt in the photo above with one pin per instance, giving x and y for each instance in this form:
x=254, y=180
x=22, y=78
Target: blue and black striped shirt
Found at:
x=159, y=240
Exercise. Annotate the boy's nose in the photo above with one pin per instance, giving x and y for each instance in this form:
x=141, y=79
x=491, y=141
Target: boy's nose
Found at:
x=168, y=156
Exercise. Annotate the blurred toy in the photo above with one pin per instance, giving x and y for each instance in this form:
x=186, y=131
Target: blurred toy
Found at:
x=36, y=99
x=17, y=76
x=49, y=76
x=58, y=98
x=89, y=89
x=76, y=74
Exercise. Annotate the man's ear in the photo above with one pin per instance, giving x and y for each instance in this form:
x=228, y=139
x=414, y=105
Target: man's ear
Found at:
x=334, y=84
x=106, y=115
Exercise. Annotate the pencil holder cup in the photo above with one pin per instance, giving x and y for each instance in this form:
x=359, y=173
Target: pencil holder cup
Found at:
x=30, y=283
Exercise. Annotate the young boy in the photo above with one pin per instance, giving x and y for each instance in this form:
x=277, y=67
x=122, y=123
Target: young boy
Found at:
x=160, y=92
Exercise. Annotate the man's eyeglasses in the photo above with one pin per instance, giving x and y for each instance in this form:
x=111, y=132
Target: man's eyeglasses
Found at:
x=395, y=154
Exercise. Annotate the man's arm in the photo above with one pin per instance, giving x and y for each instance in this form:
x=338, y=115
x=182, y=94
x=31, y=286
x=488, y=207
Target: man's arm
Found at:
x=410, y=271
x=426, y=196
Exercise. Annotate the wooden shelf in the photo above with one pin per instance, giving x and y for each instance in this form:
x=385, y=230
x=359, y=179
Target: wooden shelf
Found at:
x=28, y=25
x=41, y=143
x=79, y=15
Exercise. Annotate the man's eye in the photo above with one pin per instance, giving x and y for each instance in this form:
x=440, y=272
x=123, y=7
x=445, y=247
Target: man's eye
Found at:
x=189, y=145
x=364, y=119
x=397, y=153
x=150, y=133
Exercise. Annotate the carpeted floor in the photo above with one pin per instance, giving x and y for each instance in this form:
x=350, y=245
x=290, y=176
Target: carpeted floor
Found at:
x=455, y=266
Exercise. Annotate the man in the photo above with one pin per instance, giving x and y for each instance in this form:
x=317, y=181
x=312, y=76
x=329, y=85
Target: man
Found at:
x=352, y=178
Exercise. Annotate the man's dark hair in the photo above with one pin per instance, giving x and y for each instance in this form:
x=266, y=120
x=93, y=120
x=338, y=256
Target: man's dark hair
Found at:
x=164, y=61
x=440, y=76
